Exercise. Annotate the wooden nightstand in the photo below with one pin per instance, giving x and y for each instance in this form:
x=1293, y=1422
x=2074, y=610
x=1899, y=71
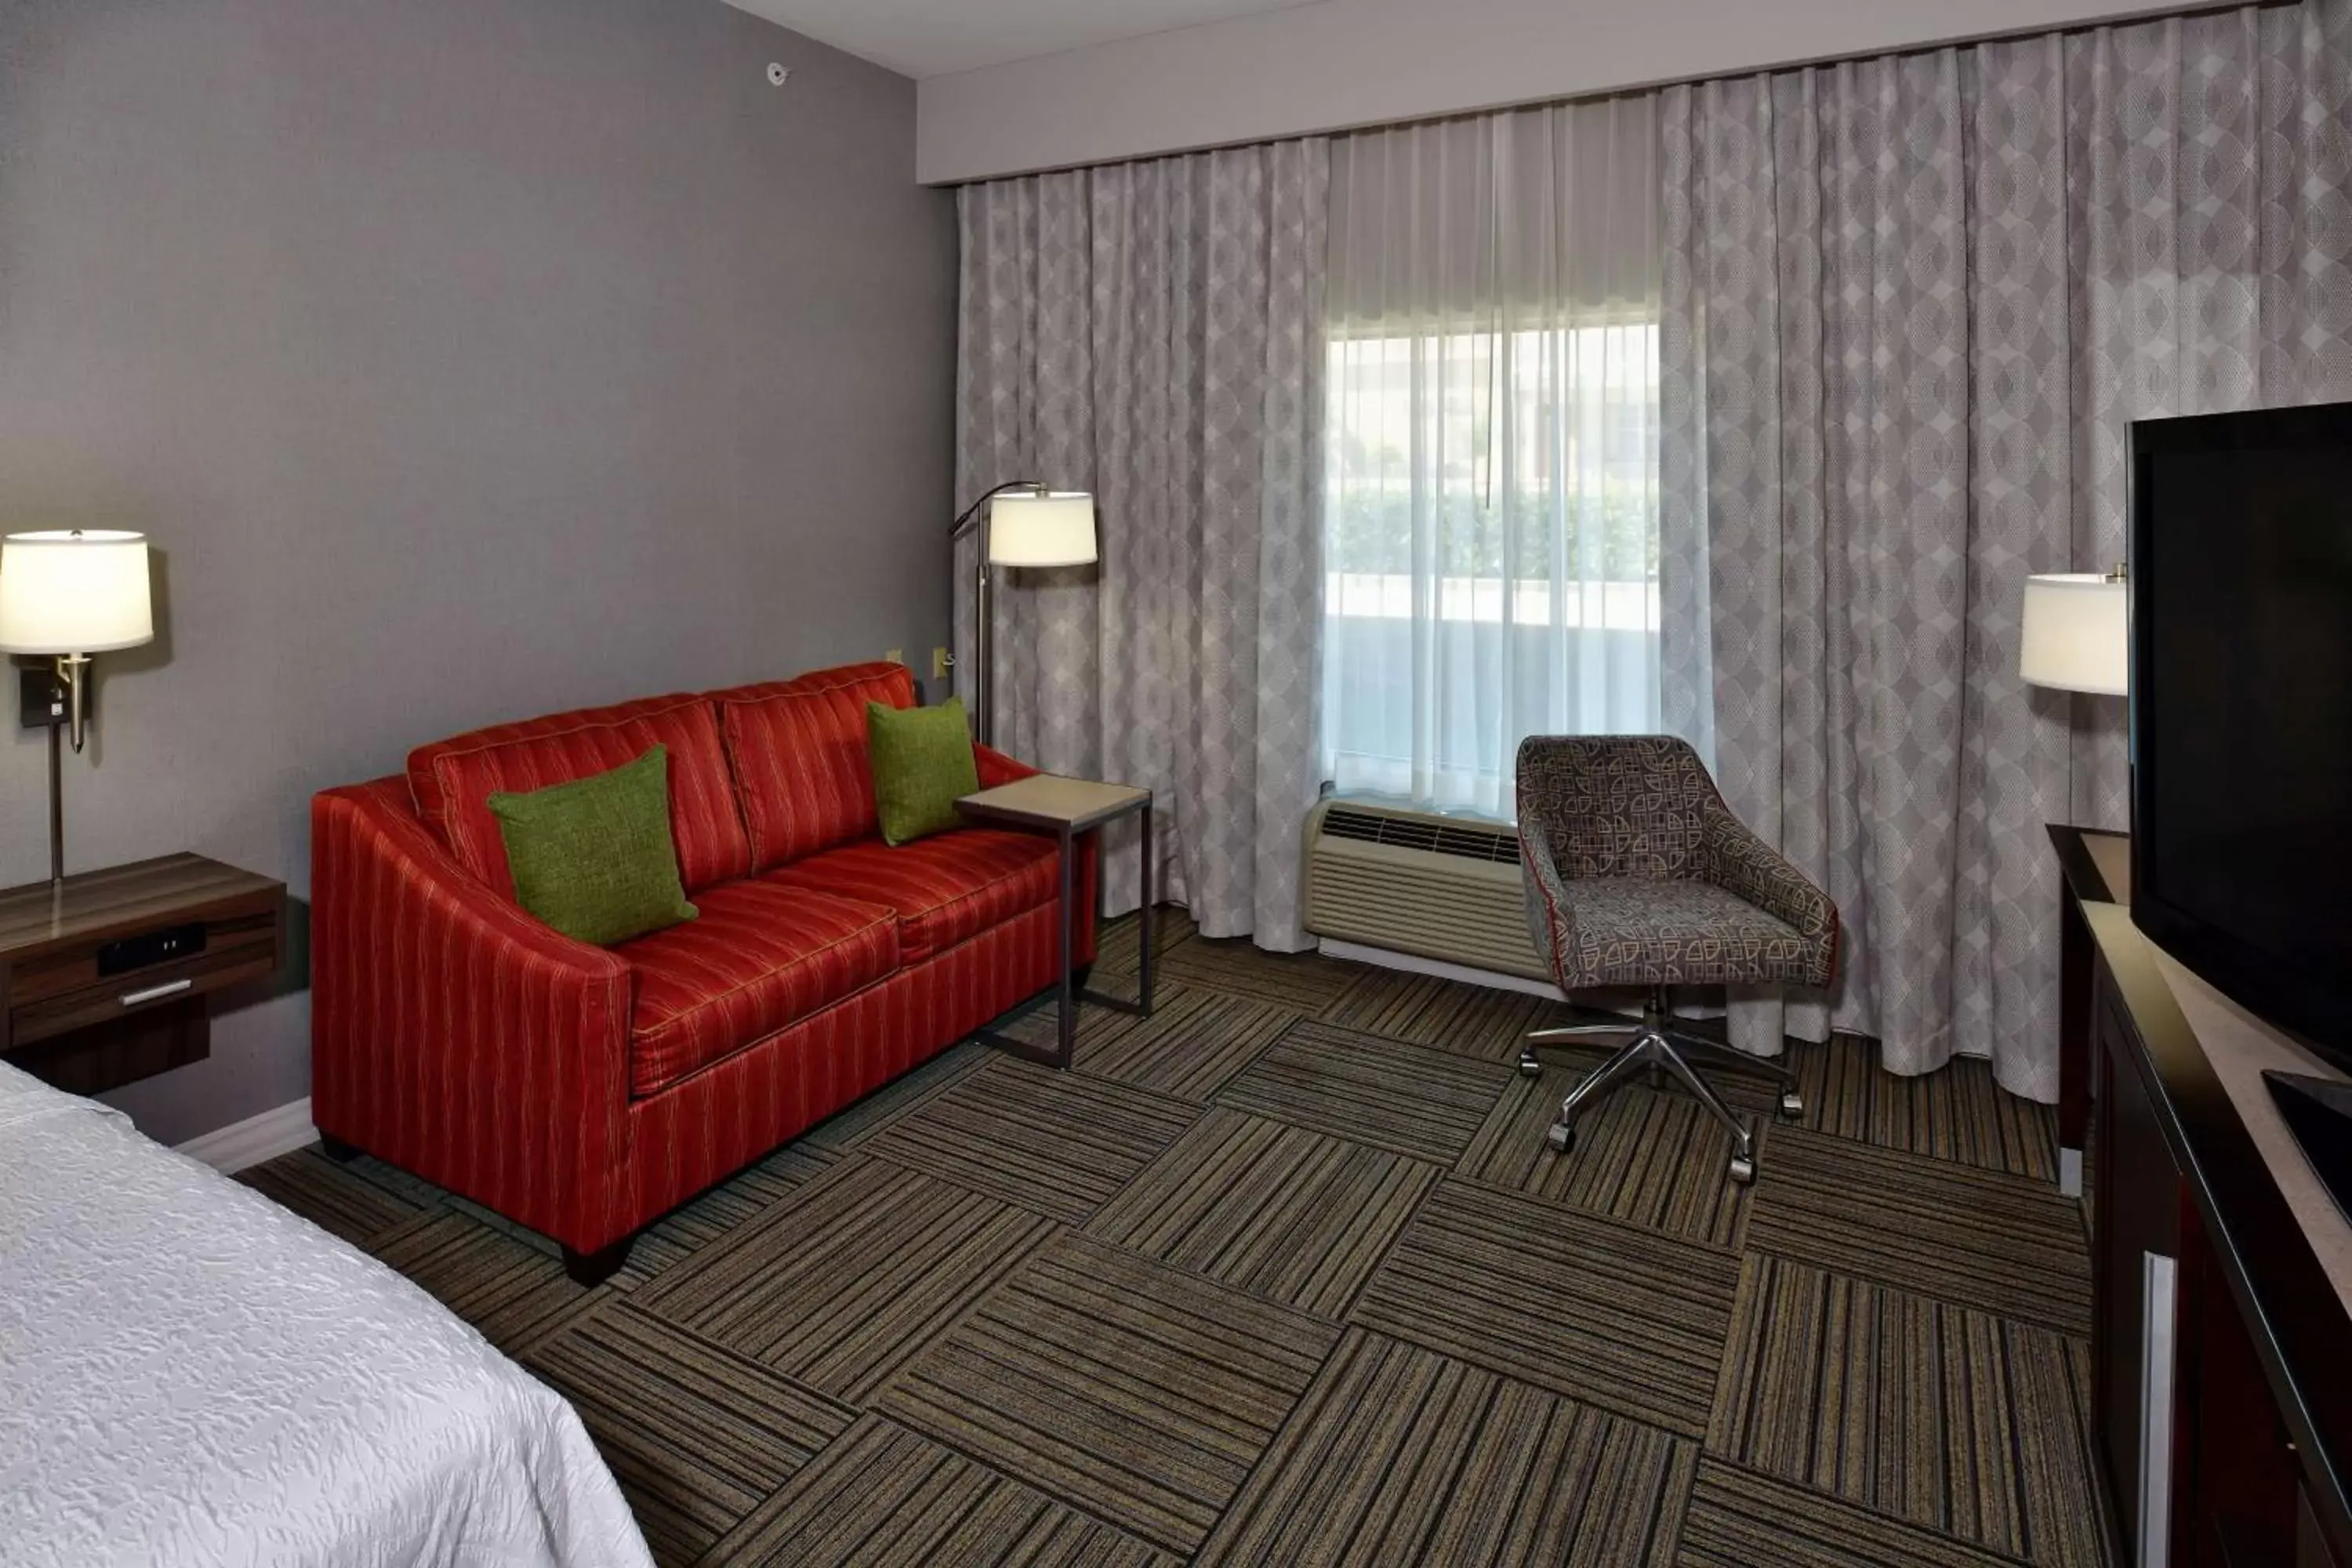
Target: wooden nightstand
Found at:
x=104, y=981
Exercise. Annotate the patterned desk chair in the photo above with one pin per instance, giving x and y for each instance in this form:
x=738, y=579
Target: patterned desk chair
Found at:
x=1638, y=874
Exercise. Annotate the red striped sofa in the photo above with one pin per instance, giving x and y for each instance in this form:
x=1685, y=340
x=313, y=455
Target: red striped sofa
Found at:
x=583, y=1091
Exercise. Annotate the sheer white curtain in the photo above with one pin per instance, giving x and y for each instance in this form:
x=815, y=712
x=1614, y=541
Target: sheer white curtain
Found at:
x=1491, y=434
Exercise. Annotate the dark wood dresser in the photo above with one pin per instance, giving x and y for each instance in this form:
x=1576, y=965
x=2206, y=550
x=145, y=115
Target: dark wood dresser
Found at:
x=2221, y=1341
x=109, y=977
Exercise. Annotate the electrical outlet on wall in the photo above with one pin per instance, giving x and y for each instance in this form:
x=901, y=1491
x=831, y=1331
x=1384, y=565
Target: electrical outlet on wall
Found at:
x=894, y=655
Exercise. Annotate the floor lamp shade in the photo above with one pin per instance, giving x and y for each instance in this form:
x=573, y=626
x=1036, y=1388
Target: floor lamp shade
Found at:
x=74, y=592
x=1043, y=528
x=2077, y=633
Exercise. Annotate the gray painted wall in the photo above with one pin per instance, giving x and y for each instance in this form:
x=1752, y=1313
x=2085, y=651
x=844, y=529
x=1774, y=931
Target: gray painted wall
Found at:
x=1335, y=64
x=465, y=358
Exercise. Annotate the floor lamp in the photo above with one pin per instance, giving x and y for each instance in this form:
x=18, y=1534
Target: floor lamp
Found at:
x=69, y=594
x=1020, y=523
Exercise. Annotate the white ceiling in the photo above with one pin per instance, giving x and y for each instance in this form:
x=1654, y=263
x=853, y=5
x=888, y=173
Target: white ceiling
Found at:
x=933, y=37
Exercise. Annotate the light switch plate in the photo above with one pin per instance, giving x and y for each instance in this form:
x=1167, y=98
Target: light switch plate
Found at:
x=41, y=702
x=941, y=662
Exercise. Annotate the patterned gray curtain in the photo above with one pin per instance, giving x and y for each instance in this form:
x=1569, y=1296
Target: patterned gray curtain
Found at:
x=1911, y=307
x=1153, y=332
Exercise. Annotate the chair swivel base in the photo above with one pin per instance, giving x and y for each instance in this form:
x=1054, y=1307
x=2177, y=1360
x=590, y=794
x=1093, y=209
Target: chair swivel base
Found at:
x=1662, y=1051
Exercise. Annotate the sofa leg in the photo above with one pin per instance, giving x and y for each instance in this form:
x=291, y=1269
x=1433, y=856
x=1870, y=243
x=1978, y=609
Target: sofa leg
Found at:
x=335, y=1149
x=1080, y=974
x=595, y=1268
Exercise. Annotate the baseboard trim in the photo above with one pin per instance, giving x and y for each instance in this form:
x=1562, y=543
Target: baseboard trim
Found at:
x=231, y=1148
x=1332, y=947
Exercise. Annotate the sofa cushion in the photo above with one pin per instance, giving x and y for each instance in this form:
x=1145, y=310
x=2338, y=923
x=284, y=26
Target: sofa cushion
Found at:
x=452, y=781
x=944, y=888
x=799, y=753
x=760, y=957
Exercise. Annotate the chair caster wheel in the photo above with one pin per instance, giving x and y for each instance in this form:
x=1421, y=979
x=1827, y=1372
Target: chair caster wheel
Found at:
x=1562, y=1138
x=1743, y=1170
x=1530, y=1065
x=1792, y=1105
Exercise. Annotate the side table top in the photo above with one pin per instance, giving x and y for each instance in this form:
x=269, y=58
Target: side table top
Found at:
x=1049, y=800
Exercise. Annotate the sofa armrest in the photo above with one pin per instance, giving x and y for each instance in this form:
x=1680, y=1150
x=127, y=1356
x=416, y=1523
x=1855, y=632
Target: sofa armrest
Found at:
x=1733, y=858
x=454, y=1034
x=996, y=768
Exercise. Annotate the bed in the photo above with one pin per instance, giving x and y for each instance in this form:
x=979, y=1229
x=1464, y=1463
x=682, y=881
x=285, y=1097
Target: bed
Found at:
x=190, y=1374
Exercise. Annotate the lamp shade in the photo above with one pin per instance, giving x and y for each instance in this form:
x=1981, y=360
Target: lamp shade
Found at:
x=83, y=590
x=1055, y=529
x=2077, y=633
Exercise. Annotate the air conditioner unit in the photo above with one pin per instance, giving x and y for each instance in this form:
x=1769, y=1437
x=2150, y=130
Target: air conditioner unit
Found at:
x=1440, y=888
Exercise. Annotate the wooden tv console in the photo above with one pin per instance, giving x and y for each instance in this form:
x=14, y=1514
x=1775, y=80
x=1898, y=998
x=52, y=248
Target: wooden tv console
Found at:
x=2222, y=1338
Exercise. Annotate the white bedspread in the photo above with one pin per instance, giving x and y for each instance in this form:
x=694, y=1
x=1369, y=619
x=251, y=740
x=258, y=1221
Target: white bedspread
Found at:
x=190, y=1374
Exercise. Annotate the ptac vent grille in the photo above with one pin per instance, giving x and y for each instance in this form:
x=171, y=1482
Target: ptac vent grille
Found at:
x=1465, y=841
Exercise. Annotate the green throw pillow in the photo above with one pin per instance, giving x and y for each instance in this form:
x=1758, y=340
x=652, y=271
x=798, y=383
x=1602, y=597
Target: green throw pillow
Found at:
x=594, y=857
x=922, y=761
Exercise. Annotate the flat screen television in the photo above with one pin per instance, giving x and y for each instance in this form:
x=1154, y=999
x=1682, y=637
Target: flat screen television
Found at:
x=2241, y=708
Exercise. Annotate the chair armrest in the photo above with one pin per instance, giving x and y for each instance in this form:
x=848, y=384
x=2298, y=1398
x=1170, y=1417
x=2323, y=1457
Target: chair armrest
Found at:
x=452, y=1034
x=996, y=768
x=1551, y=919
x=1735, y=859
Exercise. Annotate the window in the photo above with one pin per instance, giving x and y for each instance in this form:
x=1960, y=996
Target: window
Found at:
x=1491, y=534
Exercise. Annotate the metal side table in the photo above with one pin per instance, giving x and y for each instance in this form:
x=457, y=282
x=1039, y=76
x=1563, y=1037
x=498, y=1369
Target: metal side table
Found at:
x=1047, y=802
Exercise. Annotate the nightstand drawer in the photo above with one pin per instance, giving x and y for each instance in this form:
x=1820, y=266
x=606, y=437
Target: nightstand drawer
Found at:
x=72, y=970
x=236, y=957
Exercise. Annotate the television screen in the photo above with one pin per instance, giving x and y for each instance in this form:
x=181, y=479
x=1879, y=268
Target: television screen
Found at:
x=2242, y=707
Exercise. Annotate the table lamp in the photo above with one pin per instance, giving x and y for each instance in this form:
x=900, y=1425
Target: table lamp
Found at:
x=69, y=594
x=1020, y=523
x=2077, y=633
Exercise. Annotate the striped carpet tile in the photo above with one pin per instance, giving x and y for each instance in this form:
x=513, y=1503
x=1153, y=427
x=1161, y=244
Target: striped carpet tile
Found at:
x=1118, y=943
x=334, y=1197
x=1642, y=1157
x=1739, y=1520
x=848, y=1129
x=1305, y=982
x=1277, y=1211
x=1977, y=1237
x=1333, y=1301
x=1192, y=1043
x=1622, y=1319
x=1477, y=1021
x=1955, y=1113
x=1059, y=1143
x=1137, y=1394
x=882, y=1497
x=696, y=1435
x=846, y=1281
x=1940, y=1414
x=515, y=1293
x=749, y=1193
x=1400, y=1456
x=1423, y=1104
